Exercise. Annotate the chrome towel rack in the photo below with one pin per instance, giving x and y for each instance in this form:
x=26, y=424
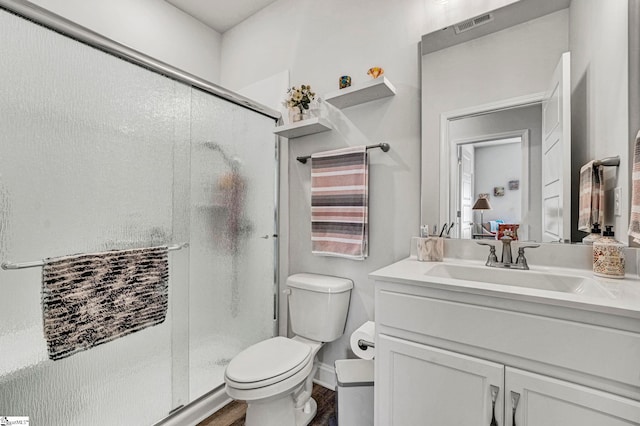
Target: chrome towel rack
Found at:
x=609, y=161
x=385, y=147
x=37, y=263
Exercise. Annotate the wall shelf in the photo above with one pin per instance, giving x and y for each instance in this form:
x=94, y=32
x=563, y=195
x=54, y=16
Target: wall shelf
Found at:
x=303, y=128
x=344, y=98
x=370, y=91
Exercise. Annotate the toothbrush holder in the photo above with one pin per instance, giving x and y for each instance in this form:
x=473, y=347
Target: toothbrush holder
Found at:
x=430, y=249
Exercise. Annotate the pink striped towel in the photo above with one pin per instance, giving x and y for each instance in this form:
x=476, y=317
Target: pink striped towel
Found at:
x=339, y=203
x=634, y=220
x=591, y=201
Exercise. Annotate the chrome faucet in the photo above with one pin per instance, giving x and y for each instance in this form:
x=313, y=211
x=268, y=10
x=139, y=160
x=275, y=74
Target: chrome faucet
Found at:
x=506, y=250
x=506, y=260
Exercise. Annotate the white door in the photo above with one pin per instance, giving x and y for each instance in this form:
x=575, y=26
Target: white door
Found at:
x=466, y=165
x=556, y=155
x=422, y=385
x=544, y=401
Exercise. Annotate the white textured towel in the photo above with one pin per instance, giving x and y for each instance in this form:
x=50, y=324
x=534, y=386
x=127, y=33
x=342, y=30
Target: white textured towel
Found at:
x=91, y=299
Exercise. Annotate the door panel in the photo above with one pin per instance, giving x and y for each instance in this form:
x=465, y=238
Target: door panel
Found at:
x=466, y=191
x=556, y=154
x=544, y=401
x=232, y=227
x=453, y=389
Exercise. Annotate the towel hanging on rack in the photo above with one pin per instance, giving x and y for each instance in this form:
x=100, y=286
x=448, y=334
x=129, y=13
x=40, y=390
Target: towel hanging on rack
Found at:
x=591, y=202
x=339, y=203
x=90, y=299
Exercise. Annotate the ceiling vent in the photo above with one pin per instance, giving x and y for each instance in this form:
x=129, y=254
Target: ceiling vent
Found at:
x=473, y=23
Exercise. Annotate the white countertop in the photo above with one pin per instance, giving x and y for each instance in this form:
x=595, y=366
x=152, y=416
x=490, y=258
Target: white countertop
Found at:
x=613, y=296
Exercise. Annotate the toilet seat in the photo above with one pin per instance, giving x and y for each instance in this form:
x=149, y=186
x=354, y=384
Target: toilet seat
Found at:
x=267, y=362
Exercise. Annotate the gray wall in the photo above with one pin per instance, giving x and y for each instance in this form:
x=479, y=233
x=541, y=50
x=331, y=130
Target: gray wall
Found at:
x=599, y=99
x=495, y=166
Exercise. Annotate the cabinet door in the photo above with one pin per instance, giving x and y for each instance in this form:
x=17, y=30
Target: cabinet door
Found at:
x=422, y=385
x=544, y=401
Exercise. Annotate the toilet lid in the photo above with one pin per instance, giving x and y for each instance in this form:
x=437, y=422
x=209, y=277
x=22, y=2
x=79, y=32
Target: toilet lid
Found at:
x=268, y=359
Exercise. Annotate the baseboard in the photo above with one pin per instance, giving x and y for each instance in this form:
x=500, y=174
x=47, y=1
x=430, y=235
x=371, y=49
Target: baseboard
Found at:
x=198, y=410
x=326, y=376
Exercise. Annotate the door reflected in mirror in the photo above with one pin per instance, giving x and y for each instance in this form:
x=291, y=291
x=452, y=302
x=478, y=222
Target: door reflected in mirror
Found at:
x=496, y=147
x=496, y=152
x=488, y=190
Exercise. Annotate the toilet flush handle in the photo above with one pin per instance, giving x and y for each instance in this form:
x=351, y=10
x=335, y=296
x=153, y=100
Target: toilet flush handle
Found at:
x=287, y=291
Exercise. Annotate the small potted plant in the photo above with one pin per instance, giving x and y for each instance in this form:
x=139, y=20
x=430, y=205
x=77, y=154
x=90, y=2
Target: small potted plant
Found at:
x=298, y=101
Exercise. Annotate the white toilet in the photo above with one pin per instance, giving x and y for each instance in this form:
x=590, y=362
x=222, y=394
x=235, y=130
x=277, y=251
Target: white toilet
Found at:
x=275, y=376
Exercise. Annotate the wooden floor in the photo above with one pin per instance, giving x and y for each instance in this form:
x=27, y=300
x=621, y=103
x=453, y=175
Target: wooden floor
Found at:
x=233, y=413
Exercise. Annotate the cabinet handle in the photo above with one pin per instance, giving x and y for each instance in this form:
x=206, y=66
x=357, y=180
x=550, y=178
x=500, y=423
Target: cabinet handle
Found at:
x=515, y=398
x=494, y=396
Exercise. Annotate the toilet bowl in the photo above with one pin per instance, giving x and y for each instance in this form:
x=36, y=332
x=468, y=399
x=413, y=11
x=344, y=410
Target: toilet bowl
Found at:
x=271, y=377
x=275, y=376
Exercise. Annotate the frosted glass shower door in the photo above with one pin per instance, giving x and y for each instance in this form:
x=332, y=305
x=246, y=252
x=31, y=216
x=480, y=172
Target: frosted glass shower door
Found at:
x=232, y=283
x=88, y=148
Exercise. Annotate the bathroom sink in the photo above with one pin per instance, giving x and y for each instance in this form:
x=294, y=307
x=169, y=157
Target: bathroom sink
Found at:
x=517, y=278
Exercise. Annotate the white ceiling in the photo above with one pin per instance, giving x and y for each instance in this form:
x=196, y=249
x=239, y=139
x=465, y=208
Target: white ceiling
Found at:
x=220, y=14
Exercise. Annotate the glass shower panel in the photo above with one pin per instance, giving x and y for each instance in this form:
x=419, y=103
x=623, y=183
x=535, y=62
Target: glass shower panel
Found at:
x=232, y=225
x=87, y=148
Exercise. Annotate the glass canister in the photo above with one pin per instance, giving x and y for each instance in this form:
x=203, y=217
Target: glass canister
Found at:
x=608, y=256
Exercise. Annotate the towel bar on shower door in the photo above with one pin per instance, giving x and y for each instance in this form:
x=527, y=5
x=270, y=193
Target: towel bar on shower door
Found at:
x=36, y=263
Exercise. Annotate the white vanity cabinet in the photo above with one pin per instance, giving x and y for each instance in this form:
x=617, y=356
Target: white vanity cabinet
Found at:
x=422, y=385
x=440, y=351
x=548, y=401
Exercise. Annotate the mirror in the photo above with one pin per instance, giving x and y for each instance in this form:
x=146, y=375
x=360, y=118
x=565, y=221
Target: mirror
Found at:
x=480, y=78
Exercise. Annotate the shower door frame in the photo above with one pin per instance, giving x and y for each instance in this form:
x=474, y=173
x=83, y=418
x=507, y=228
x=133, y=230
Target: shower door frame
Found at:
x=202, y=406
x=82, y=34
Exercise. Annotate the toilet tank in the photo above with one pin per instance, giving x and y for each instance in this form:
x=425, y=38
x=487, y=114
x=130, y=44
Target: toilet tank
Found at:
x=318, y=306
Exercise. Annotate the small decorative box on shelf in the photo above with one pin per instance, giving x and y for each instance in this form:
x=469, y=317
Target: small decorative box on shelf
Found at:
x=303, y=128
x=377, y=88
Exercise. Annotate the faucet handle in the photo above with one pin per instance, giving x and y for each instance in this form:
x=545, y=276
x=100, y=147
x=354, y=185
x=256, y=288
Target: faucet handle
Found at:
x=524, y=246
x=492, y=259
x=521, y=260
x=483, y=243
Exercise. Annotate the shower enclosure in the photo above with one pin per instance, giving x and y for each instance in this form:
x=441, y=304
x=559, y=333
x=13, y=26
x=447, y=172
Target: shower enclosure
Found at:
x=98, y=153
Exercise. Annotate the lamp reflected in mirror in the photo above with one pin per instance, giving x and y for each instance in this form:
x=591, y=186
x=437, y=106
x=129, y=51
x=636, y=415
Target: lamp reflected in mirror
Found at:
x=481, y=204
